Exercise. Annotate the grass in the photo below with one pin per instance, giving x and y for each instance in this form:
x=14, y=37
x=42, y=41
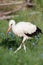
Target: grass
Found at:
x=34, y=55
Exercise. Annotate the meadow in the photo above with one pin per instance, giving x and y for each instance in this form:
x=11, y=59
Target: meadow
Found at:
x=8, y=43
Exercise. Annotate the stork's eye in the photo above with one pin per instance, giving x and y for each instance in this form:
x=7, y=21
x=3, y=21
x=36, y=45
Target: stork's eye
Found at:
x=11, y=24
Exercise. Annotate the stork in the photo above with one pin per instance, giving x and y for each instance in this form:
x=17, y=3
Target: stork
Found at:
x=23, y=29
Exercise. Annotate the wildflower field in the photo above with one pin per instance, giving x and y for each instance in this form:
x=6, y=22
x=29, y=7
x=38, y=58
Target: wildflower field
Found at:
x=10, y=42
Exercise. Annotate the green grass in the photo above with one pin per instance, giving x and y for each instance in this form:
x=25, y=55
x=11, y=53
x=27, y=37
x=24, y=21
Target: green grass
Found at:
x=34, y=55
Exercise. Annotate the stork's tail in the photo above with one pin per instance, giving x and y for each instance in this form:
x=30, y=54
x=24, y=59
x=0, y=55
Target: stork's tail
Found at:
x=39, y=30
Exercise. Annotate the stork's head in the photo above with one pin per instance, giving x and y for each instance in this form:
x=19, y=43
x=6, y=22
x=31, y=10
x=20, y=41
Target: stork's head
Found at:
x=11, y=23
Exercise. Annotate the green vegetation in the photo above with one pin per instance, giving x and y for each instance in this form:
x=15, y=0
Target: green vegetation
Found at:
x=34, y=54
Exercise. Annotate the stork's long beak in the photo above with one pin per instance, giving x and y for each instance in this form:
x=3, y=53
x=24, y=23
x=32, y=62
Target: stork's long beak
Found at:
x=9, y=28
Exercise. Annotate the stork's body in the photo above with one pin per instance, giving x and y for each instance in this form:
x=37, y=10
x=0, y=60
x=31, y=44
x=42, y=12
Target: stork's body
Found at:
x=23, y=29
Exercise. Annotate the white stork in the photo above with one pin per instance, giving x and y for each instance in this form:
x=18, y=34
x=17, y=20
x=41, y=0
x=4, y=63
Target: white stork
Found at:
x=23, y=29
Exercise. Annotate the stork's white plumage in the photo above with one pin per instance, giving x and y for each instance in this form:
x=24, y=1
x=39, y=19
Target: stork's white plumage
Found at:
x=22, y=29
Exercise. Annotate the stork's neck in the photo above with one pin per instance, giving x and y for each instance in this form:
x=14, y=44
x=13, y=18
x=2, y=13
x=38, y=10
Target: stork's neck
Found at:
x=13, y=28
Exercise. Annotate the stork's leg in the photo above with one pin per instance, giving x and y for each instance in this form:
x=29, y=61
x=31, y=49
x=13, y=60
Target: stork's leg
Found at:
x=22, y=44
x=18, y=48
x=25, y=37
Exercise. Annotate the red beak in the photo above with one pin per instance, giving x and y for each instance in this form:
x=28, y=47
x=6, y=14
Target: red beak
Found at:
x=9, y=29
